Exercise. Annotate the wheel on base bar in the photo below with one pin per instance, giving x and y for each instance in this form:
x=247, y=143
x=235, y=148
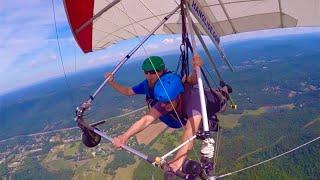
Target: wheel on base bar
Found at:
x=90, y=139
x=191, y=167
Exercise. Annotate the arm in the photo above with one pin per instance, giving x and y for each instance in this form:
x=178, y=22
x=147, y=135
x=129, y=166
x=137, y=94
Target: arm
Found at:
x=127, y=91
x=191, y=129
x=138, y=126
x=196, y=62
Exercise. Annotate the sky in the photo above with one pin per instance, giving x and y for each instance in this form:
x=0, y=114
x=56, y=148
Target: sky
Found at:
x=29, y=51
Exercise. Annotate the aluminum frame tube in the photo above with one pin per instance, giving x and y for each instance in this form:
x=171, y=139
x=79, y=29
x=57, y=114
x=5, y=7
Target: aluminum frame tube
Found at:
x=133, y=151
x=213, y=39
x=199, y=78
x=113, y=3
x=196, y=30
x=83, y=125
x=178, y=147
x=131, y=53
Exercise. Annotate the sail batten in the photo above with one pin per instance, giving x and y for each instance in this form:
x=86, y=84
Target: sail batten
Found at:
x=131, y=18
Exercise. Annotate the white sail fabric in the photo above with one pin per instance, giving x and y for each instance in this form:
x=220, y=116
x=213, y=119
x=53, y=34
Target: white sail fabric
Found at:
x=132, y=18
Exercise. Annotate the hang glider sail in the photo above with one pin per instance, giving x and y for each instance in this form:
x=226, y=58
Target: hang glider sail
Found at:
x=97, y=24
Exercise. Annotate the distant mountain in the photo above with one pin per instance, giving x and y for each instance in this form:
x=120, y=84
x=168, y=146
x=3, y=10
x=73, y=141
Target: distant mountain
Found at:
x=285, y=46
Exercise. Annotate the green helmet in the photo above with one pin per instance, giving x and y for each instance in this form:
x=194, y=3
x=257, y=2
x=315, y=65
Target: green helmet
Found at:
x=157, y=62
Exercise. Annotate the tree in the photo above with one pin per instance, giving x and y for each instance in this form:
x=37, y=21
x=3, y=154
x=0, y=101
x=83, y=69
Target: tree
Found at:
x=4, y=169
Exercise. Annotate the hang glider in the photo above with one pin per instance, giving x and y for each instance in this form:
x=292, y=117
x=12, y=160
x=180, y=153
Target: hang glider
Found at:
x=97, y=24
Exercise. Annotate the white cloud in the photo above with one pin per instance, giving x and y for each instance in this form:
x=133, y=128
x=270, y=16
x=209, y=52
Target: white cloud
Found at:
x=25, y=29
x=38, y=60
x=91, y=61
x=269, y=33
x=32, y=63
x=122, y=54
x=100, y=59
x=152, y=46
x=53, y=57
x=178, y=38
x=168, y=41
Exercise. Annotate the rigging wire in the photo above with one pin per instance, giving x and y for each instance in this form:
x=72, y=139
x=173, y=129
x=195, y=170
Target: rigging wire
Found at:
x=75, y=58
x=60, y=54
x=71, y=128
x=145, y=51
x=275, y=157
x=217, y=148
x=210, y=75
x=78, y=96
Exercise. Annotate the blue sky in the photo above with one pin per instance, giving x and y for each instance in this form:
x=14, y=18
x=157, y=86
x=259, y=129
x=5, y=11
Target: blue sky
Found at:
x=29, y=52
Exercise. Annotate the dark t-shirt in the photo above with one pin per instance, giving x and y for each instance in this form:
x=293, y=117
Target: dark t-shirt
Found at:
x=169, y=118
x=189, y=106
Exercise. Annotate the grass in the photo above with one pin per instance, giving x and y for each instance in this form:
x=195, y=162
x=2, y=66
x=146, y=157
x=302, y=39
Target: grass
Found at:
x=261, y=148
x=86, y=169
x=257, y=112
x=71, y=150
x=127, y=172
x=95, y=176
x=93, y=169
x=54, y=152
x=59, y=165
x=229, y=121
x=312, y=122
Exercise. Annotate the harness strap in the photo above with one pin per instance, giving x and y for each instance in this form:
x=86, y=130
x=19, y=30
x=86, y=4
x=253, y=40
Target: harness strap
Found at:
x=149, y=94
x=226, y=95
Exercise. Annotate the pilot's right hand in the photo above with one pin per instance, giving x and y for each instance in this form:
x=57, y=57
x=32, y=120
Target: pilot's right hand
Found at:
x=86, y=105
x=119, y=141
x=196, y=61
x=106, y=75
